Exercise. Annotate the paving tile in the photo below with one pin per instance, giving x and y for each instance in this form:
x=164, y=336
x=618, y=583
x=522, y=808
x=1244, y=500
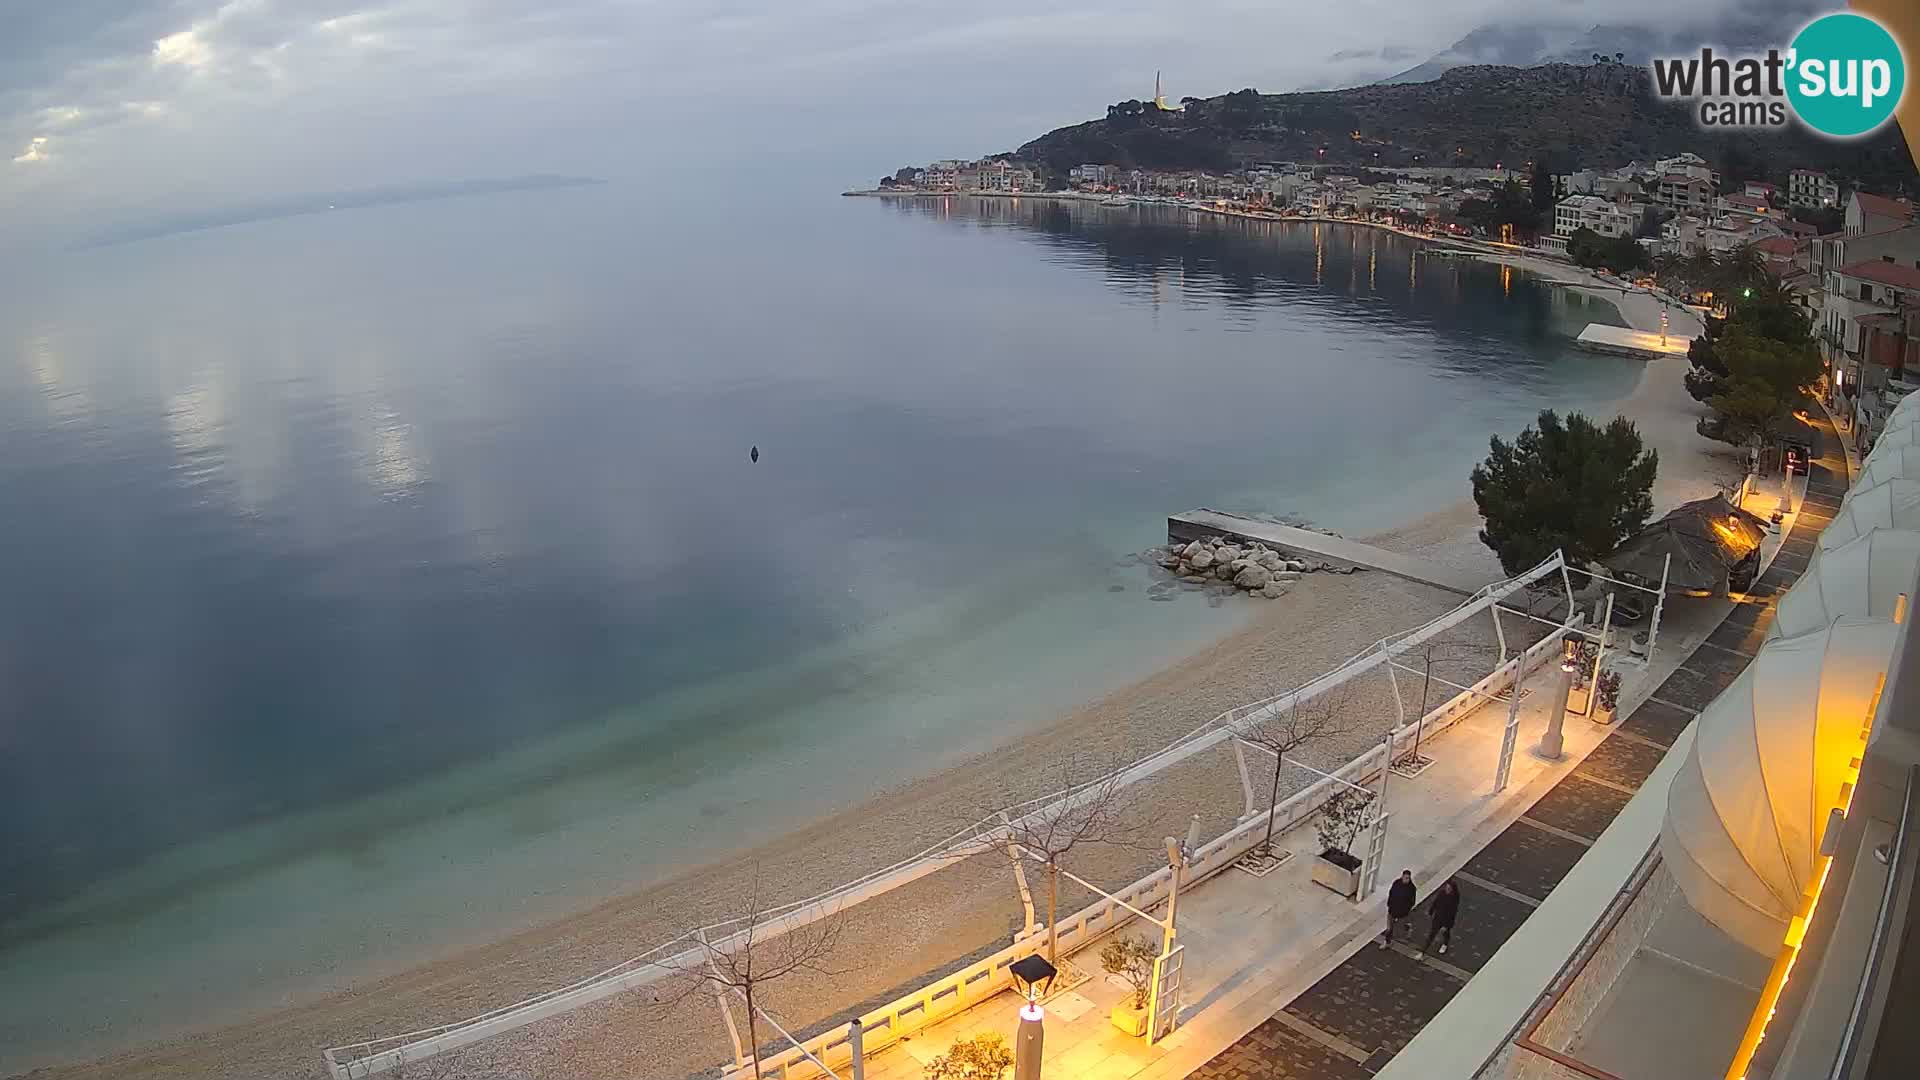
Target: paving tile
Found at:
x=1487, y=919
x=1658, y=721
x=1701, y=680
x=1527, y=860
x=1274, y=1051
x=1377, y=1000
x=1744, y=637
x=1750, y=614
x=1622, y=761
x=1720, y=666
x=1579, y=806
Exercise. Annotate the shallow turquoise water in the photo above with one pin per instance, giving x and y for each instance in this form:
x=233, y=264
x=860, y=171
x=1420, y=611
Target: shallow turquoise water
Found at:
x=363, y=560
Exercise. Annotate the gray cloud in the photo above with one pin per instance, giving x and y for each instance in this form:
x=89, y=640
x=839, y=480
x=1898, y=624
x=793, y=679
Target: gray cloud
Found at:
x=113, y=105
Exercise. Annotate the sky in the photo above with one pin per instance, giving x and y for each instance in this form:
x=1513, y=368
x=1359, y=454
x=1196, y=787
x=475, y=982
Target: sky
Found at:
x=110, y=109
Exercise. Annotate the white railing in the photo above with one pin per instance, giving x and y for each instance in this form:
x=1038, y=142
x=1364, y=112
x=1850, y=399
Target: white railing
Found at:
x=975, y=983
x=682, y=954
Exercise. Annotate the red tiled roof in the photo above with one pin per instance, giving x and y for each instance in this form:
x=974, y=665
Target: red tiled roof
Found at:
x=1886, y=273
x=1881, y=206
x=1797, y=228
x=1747, y=200
x=1776, y=245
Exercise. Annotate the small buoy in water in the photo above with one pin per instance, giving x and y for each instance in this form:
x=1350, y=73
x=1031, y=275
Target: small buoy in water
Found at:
x=754, y=454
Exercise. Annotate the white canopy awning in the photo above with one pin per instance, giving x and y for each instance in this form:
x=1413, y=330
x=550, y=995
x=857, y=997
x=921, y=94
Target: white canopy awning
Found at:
x=1863, y=576
x=1892, y=505
x=1889, y=463
x=1749, y=804
x=1905, y=433
x=1906, y=412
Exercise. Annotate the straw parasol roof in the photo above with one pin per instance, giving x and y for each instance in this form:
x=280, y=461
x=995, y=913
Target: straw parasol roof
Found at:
x=1705, y=538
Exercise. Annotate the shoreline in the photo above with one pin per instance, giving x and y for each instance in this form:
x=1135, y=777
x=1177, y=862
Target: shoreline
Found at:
x=1245, y=663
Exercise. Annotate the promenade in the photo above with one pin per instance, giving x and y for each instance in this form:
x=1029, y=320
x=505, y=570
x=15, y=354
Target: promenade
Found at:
x=1284, y=980
x=1352, y=1022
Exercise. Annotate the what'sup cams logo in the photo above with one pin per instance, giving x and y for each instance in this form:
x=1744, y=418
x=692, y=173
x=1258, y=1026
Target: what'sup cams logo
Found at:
x=1842, y=77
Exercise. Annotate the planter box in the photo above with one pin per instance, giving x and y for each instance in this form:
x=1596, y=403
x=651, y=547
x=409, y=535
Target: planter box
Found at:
x=1602, y=714
x=1577, y=699
x=1340, y=878
x=1129, y=1019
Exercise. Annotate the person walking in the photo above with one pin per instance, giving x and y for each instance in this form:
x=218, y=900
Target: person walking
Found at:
x=1446, y=908
x=1400, y=900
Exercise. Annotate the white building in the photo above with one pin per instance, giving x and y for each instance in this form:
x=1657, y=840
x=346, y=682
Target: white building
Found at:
x=1808, y=187
x=1591, y=212
x=1091, y=174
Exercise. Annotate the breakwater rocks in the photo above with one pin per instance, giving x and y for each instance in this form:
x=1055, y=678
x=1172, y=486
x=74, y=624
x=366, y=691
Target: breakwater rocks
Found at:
x=1227, y=565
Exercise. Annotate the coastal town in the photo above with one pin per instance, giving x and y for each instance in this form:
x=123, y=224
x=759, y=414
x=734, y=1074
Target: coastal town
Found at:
x=1848, y=258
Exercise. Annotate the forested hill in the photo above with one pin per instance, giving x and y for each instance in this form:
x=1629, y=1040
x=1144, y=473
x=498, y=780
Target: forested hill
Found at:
x=1565, y=115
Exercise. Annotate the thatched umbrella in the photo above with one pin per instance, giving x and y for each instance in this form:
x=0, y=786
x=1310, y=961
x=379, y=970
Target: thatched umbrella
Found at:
x=1706, y=538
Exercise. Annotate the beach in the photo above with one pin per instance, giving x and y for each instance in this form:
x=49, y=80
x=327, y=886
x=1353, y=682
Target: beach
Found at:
x=897, y=941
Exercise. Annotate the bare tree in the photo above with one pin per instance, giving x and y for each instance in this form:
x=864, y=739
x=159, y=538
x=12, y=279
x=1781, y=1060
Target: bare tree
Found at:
x=745, y=962
x=1283, y=731
x=1093, y=811
x=1443, y=652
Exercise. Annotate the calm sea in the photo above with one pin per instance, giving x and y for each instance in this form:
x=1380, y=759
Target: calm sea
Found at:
x=358, y=561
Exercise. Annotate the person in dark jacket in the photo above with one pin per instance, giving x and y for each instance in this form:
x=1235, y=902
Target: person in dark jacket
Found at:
x=1446, y=908
x=1400, y=900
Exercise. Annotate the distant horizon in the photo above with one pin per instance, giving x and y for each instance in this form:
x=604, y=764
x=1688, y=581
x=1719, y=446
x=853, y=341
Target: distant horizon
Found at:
x=334, y=201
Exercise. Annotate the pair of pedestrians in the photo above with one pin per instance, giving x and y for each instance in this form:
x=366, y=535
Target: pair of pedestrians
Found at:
x=1402, y=895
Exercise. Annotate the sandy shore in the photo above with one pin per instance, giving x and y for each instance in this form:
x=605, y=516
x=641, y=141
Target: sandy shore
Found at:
x=895, y=942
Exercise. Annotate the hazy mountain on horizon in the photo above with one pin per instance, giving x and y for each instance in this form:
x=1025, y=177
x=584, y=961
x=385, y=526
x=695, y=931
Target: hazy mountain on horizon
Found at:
x=1752, y=28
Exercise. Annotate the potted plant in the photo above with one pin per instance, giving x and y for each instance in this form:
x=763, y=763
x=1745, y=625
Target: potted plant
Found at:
x=1131, y=959
x=982, y=1057
x=1341, y=818
x=1607, y=686
x=1582, y=689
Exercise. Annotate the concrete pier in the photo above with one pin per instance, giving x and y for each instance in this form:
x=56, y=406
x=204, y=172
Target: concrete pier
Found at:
x=1198, y=524
x=1639, y=344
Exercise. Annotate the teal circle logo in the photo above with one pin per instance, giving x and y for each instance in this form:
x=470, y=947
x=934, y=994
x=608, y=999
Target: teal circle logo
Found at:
x=1846, y=76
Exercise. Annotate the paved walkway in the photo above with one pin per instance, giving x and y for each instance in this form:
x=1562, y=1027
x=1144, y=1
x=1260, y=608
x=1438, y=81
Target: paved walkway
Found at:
x=1195, y=524
x=1353, y=1021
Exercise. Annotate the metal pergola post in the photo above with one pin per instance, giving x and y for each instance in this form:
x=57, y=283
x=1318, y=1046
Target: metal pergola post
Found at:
x=1659, y=605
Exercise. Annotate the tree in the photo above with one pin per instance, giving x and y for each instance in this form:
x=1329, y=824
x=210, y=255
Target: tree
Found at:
x=1543, y=193
x=1444, y=652
x=1131, y=959
x=1574, y=487
x=1618, y=253
x=1767, y=379
x=1341, y=818
x=1092, y=811
x=1706, y=370
x=746, y=962
x=1284, y=731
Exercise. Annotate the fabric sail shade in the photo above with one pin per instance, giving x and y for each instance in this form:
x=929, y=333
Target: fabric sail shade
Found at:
x=1892, y=505
x=1864, y=576
x=1770, y=754
x=1897, y=463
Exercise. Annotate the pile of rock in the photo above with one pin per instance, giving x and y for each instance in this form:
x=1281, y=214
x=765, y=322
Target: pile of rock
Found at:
x=1252, y=567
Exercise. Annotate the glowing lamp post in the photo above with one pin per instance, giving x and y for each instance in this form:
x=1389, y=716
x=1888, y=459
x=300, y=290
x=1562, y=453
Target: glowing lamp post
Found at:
x=1032, y=975
x=1553, y=743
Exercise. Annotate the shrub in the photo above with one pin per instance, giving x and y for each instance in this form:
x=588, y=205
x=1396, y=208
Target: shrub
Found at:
x=982, y=1057
x=1131, y=959
x=1341, y=818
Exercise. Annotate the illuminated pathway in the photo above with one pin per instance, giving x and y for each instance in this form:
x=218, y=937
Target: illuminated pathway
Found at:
x=1355, y=1019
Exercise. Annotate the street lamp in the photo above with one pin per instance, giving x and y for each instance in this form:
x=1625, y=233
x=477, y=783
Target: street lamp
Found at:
x=1032, y=975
